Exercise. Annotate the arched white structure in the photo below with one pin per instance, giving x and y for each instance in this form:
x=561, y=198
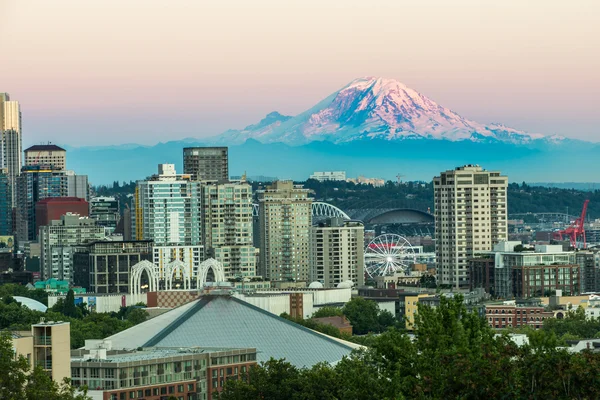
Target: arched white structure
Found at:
x=135, y=278
x=319, y=209
x=177, y=266
x=217, y=268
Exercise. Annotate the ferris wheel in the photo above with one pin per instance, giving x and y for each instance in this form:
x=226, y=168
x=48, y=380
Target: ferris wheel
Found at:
x=387, y=254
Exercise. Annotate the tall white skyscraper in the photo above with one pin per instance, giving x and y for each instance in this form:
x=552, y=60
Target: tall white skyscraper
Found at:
x=470, y=218
x=11, y=140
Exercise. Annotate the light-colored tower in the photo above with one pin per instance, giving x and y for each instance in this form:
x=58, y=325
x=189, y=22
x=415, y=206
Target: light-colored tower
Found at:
x=168, y=211
x=228, y=236
x=285, y=215
x=11, y=141
x=47, y=154
x=337, y=252
x=470, y=217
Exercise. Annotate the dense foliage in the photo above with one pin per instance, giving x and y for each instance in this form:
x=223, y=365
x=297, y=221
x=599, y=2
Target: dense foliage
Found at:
x=84, y=325
x=13, y=289
x=454, y=354
x=17, y=382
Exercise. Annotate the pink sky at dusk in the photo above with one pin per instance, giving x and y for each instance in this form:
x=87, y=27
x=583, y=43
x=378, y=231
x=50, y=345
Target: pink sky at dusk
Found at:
x=141, y=71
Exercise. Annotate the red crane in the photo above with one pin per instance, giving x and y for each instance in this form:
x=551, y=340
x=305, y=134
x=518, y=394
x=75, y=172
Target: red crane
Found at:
x=575, y=230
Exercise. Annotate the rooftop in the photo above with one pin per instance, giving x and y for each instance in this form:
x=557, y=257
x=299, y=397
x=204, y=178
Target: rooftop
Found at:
x=45, y=147
x=223, y=321
x=151, y=353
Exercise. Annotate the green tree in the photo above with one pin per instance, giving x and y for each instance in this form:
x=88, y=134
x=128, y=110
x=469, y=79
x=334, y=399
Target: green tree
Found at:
x=69, y=308
x=363, y=315
x=328, y=311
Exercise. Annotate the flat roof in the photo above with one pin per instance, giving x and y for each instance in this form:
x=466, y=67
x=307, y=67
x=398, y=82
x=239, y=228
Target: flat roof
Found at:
x=154, y=353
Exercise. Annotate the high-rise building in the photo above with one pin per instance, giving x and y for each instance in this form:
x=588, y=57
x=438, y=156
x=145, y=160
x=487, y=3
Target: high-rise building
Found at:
x=470, y=217
x=337, y=252
x=53, y=208
x=206, y=163
x=47, y=154
x=36, y=183
x=105, y=210
x=168, y=209
x=10, y=140
x=77, y=185
x=285, y=215
x=228, y=235
x=105, y=266
x=58, y=241
x=6, y=214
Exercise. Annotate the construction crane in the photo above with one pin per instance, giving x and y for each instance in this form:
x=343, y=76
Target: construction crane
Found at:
x=399, y=178
x=575, y=230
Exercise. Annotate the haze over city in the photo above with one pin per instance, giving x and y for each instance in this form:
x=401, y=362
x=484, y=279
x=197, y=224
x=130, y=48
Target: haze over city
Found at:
x=113, y=72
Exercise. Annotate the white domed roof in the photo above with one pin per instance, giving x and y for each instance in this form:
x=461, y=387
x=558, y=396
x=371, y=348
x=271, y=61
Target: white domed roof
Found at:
x=315, y=285
x=345, y=284
x=31, y=303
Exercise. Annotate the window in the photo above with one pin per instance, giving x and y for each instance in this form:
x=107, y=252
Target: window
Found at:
x=179, y=388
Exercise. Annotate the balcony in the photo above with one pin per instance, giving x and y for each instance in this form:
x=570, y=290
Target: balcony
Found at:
x=42, y=340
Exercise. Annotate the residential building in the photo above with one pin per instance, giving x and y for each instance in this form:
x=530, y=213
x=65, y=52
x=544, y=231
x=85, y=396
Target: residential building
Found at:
x=105, y=210
x=58, y=241
x=361, y=180
x=46, y=346
x=523, y=275
x=206, y=163
x=329, y=176
x=156, y=373
x=47, y=154
x=36, y=182
x=588, y=270
x=105, y=266
x=481, y=273
x=168, y=209
x=53, y=208
x=470, y=217
x=6, y=209
x=227, y=234
x=11, y=141
x=221, y=320
x=516, y=315
x=337, y=253
x=411, y=308
x=77, y=185
x=285, y=218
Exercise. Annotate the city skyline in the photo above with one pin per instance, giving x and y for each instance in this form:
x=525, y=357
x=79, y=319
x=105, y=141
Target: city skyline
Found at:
x=201, y=69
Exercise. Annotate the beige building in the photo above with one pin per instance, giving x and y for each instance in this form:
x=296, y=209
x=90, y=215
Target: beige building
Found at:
x=48, y=345
x=47, y=154
x=11, y=140
x=411, y=308
x=285, y=218
x=470, y=217
x=227, y=219
x=337, y=253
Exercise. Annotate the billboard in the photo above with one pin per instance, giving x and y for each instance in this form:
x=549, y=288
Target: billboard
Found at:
x=91, y=304
x=7, y=242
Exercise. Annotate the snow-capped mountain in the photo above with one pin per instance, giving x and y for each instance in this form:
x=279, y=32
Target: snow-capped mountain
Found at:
x=375, y=108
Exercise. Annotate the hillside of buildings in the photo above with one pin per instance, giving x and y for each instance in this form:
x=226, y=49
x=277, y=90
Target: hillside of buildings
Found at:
x=522, y=198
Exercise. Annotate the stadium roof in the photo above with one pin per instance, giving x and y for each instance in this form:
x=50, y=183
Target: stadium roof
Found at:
x=31, y=303
x=225, y=321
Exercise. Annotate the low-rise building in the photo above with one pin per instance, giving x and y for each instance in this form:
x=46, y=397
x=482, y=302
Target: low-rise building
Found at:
x=516, y=315
x=341, y=323
x=329, y=176
x=156, y=373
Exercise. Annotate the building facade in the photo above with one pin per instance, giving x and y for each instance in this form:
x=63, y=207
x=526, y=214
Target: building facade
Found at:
x=48, y=347
x=157, y=373
x=105, y=266
x=58, y=241
x=105, y=210
x=470, y=217
x=168, y=209
x=6, y=209
x=516, y=316
x=206, y=163
x=228, y=234
x=77, y=185
x=11, y=141
x=47, y=154
x=53, y=208
x=285, y=218
x=329, y=176
x=337, y=252
x=535, y=274
x=36, y=183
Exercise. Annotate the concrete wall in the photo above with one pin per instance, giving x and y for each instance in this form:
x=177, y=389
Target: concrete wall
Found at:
x=104, y=303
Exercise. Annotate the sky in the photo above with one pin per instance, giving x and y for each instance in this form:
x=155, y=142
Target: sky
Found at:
x=103, y=72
